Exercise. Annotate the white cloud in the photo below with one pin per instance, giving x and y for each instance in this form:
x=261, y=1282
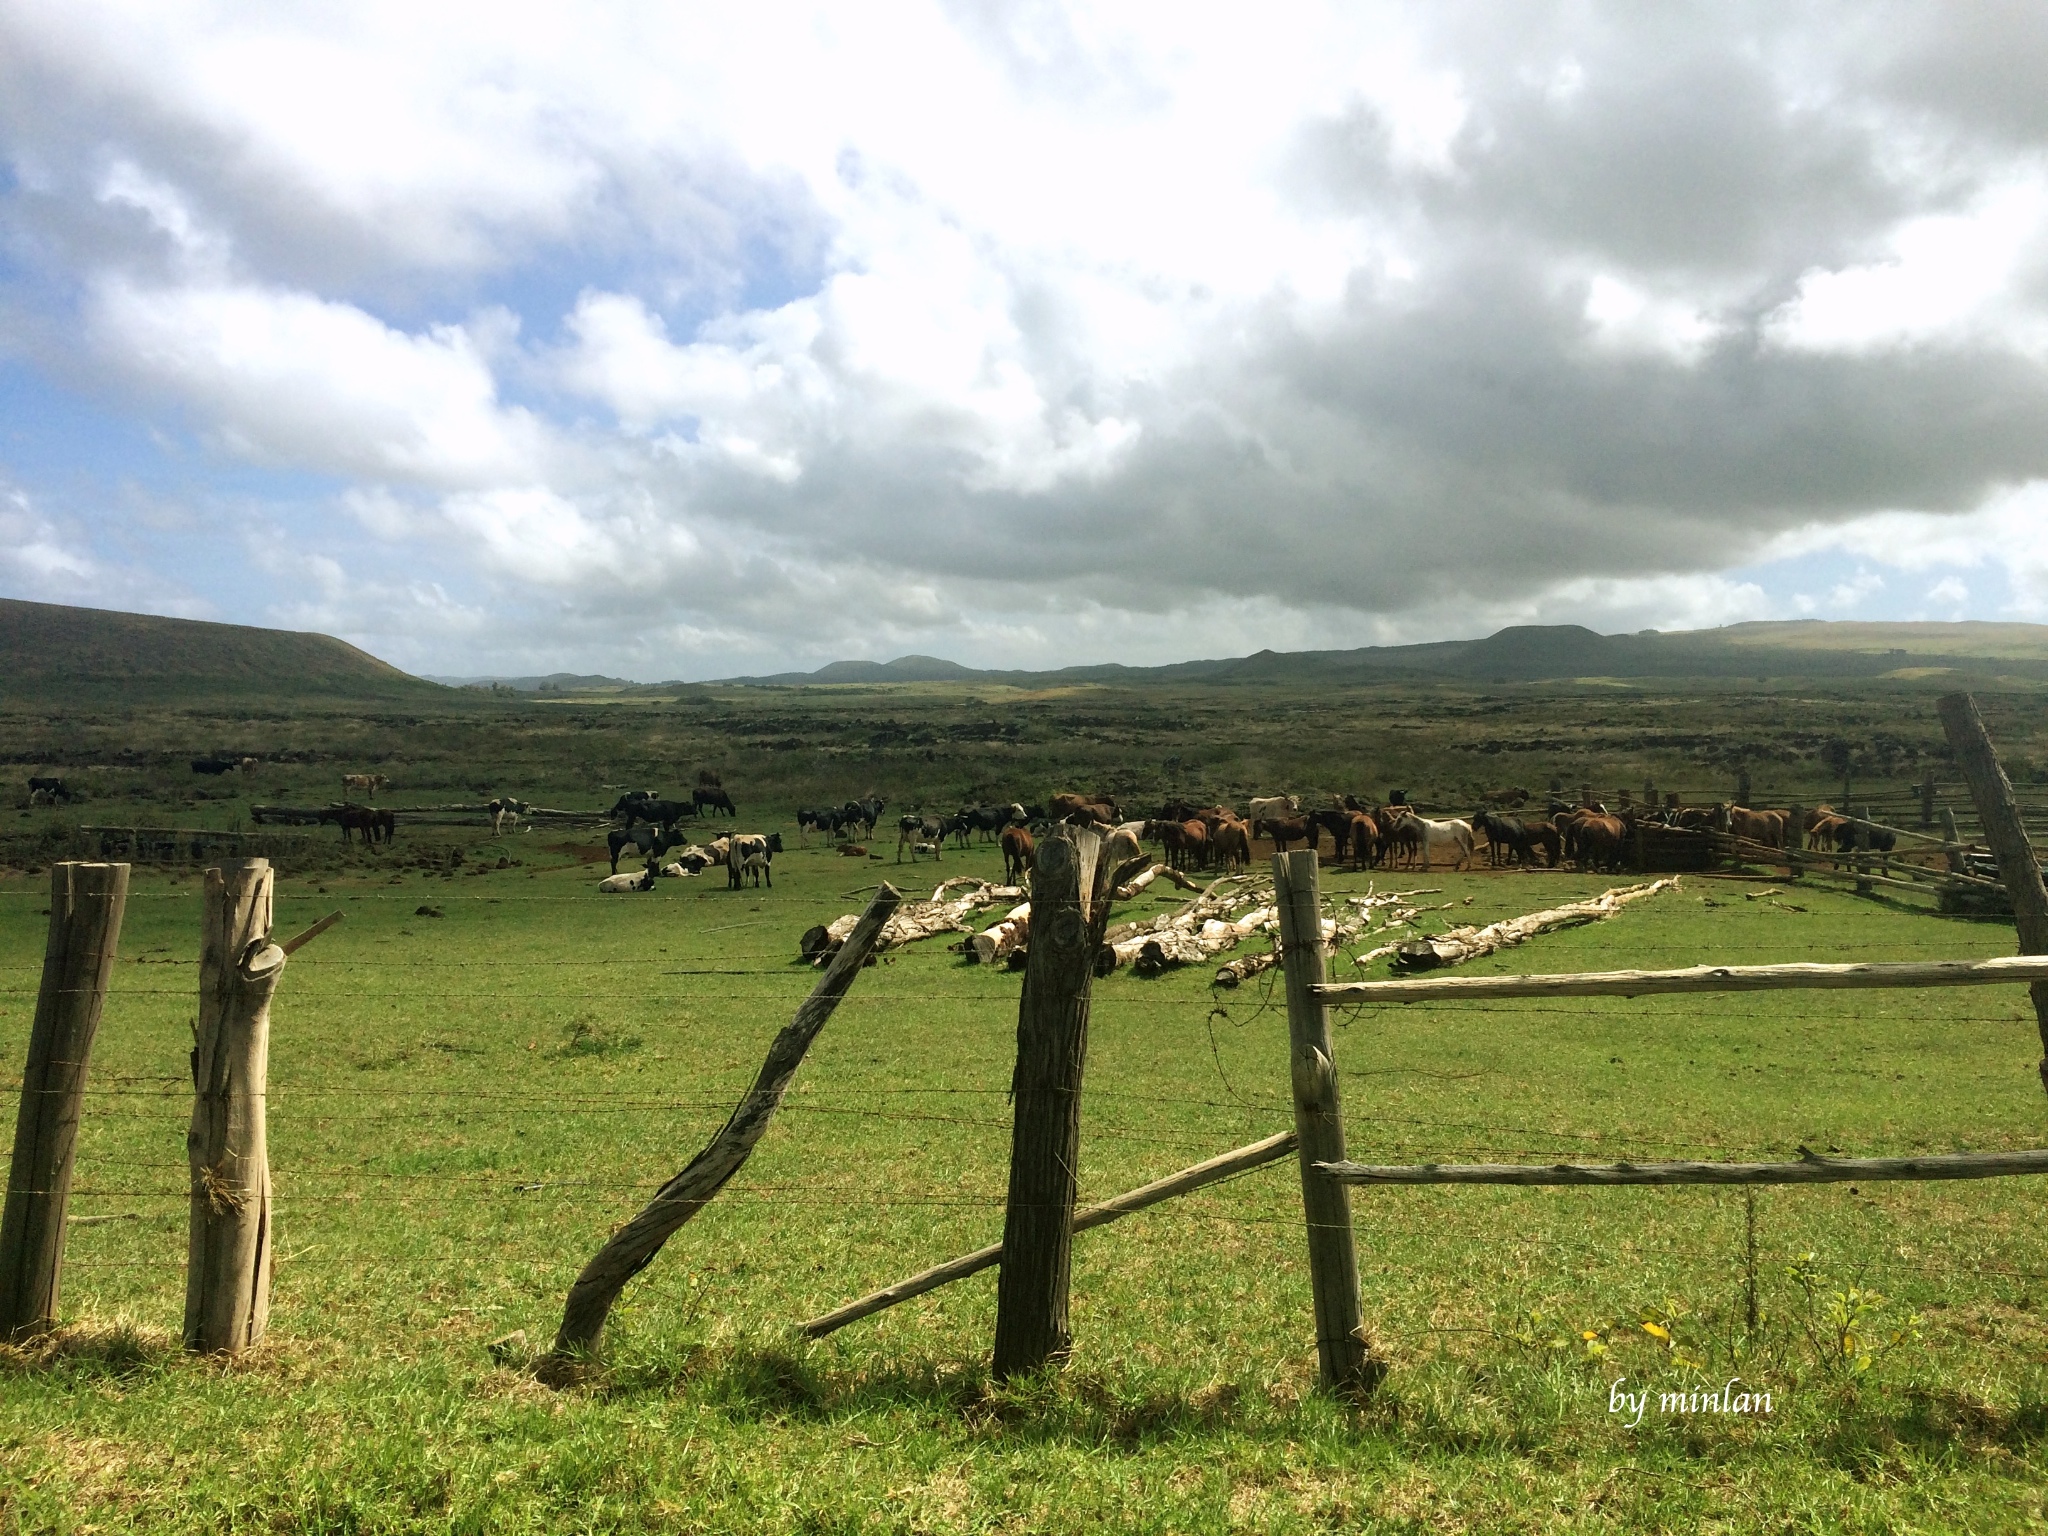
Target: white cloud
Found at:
x=1074, y=330
x=290, y=378
x=1945, y=273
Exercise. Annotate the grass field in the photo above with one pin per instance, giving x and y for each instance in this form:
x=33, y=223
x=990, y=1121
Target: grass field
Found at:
x=463, y=1105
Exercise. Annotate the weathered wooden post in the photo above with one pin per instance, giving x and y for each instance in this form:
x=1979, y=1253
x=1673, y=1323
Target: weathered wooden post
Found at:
x=1860, y=822
x=1795, y=839
x=227, y=1278
x=1742, y=787
x=86, y=905
x=1952, y=839
x=2006, y=833
x=1071, y=882
x=632, y=1247
x=1927, y=801
x=1346, y=1362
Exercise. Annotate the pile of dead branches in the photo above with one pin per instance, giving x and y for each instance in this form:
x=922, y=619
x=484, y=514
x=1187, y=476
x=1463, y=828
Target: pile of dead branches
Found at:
x=1454, y=946
x=949, y=910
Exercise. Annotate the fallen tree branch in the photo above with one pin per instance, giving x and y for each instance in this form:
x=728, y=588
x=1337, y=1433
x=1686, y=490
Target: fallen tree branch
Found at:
x=1455, y=946
x=949, y=909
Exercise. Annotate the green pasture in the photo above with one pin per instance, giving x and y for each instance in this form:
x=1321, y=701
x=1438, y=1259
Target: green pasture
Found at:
x=466, y=1099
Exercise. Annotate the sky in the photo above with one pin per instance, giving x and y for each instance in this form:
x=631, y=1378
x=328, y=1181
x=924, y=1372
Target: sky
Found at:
x=678, y=341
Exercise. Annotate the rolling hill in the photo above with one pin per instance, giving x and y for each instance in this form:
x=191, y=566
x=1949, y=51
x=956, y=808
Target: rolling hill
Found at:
x=48, y=650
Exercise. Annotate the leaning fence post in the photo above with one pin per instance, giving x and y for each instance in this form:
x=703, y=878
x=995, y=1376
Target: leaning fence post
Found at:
x=227, y=1279
x=2006, y=833
x=1070, y=895
x=632, y=1247
x=1346, y=1361
x=86, y=903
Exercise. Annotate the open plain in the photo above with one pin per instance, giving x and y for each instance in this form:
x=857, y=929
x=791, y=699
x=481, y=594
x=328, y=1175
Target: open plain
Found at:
x=487, y=1066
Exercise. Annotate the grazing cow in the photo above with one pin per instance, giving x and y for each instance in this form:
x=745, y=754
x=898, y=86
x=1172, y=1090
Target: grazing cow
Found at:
x=827, y=819
x=624, y=804
x=750, y=854
x=613, y=884
x=1017, y=851
x=715, y=799
x=215, y=765
x=1282, y=829
x=1232, y=844
x=1272, y=806
x=368, y=783
x=645, y=840
x=506, y=811
x=869, y=811
x=51, y=790
x=922, y=833
x=657, y=813
x=989, y=820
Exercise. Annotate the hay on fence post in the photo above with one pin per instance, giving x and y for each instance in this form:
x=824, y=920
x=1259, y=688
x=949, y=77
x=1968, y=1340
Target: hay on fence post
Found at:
x=227, y=1281
x=2007, y=834
x=86, y=904
x=1071, y=883
x=633, y=1247
x=1346, y=1363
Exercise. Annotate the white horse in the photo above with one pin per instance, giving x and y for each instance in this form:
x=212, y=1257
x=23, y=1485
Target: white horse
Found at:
x=1453, y=837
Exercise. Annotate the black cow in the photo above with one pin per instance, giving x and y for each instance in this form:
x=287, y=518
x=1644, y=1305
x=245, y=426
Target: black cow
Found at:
x=215, y=765
x=657, y=813
x=713, y=798
x=50, y=789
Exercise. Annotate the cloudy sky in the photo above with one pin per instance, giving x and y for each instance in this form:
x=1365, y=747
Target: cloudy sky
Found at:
x=675, y=341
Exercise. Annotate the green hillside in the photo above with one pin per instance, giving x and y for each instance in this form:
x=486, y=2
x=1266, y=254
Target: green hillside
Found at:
x=48, y=650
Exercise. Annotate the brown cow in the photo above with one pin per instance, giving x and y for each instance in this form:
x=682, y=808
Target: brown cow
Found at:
x=1017, y=851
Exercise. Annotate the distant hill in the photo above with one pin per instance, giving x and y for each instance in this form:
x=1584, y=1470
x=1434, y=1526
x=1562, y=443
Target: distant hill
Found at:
x=48, y=649
x=1548, y=652
x=554, y=682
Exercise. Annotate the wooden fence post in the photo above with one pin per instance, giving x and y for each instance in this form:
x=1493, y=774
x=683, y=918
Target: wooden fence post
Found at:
x=1927, y=801
x=1742, y=787
x=1346, y=1363
x=2006, y=833
x=1071, y=883
x=1861, y=824
x=86, y=904
x=1952, y=836
x=227, y=1278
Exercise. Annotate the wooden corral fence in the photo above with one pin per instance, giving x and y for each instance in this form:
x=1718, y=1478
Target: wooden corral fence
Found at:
x=1076, y=871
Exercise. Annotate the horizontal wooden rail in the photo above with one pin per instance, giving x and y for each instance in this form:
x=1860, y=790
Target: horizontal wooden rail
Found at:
x=1257, y=1155
x=1697, y=978
x=1811, y=1168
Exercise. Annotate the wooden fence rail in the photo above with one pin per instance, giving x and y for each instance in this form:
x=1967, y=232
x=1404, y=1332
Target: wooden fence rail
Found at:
x=1244, y=1159
x=1697, y=978
x=1811, y=1168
